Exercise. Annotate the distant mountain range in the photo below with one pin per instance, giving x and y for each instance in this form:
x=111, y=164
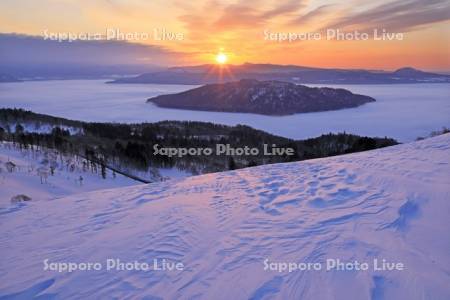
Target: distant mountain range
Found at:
x=205, y=74
x=262, y=97
x=63, y=71
x=8, y=78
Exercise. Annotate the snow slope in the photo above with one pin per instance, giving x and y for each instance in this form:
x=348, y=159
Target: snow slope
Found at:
x=25, y=178
x=390, y=204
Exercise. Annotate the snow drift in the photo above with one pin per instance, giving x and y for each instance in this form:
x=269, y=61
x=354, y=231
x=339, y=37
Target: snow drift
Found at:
x=390, y=204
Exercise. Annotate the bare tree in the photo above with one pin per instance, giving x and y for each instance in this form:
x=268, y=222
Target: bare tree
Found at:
x=43, y=174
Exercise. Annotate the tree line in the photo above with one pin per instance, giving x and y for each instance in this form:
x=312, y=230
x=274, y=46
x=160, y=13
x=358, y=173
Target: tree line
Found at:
x=130, y=146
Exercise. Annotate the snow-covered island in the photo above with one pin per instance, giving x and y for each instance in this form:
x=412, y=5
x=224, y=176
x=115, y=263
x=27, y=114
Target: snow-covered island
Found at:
x=262, y=97
x=245, y=234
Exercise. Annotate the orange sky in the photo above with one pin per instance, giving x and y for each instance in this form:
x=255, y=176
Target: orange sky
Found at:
x=237, y=28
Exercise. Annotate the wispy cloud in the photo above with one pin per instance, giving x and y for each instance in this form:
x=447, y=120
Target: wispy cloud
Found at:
x=312, y=15
x=238, y=15
x=284, y=8
x=397, y=15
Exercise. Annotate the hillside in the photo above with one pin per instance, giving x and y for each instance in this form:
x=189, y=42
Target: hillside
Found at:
x=47, y=174
x=262, y=97
x=389, y=204
x=129, y=148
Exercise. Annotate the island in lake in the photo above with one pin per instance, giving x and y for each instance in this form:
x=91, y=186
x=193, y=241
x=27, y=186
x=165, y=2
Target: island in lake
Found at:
x=261, y=97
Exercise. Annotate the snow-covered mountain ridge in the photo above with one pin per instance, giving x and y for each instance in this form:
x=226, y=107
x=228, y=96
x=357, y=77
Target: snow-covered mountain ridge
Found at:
x=389, y=204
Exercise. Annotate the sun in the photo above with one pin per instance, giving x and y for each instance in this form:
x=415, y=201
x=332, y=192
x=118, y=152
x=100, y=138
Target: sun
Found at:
x=221, y=58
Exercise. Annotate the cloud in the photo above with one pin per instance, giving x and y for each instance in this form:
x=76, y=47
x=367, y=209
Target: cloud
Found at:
x=286, y=8
x=238, y=16
x=312, y=15
x=398, y=15
x=236, y=27
x=25, y=49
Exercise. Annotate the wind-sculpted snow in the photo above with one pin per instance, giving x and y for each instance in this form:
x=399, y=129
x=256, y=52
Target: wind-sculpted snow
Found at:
x=390, y=204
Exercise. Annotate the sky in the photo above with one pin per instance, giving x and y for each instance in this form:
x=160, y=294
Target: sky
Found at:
x=246, y=31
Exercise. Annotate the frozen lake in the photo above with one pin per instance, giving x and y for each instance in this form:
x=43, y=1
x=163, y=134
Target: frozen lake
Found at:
x=402, y=111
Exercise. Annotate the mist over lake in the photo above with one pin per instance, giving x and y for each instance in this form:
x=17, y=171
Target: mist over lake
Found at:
x=403, y=111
